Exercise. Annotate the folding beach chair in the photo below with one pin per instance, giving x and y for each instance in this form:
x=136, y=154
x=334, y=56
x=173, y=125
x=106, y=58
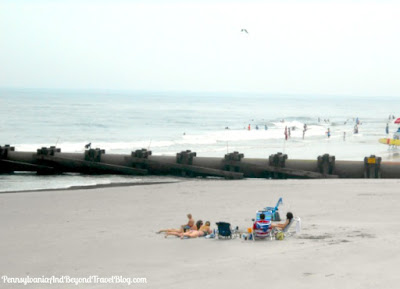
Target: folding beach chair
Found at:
x=262, y=229
x=287, y=230
x=224, y=231
x=268, y=215
x=273, y=211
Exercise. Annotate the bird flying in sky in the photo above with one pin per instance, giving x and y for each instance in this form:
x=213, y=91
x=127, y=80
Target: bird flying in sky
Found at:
x=244, y=30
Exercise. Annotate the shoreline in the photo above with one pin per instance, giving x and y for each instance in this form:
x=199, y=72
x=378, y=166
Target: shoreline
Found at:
x=183, y=179
x=90, y=187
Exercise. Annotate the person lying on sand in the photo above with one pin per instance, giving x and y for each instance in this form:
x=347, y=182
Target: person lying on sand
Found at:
x=281, y=226
x=173, y=232
x=189, y=226
x=202, y=232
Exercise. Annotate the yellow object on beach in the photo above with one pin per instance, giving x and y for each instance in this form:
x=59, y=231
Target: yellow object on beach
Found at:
x=280, y=236
x=390, y=141
x=249, y=230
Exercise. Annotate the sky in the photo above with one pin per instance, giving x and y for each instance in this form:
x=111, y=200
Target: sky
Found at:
x=296, y=47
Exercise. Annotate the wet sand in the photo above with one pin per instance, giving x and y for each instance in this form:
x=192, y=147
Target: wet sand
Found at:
x=349, y=236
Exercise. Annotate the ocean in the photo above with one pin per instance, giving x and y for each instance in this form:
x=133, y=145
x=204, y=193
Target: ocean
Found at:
x=210, y=124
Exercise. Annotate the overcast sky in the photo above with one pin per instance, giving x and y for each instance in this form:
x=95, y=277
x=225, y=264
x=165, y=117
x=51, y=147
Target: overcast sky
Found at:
x=297, y=47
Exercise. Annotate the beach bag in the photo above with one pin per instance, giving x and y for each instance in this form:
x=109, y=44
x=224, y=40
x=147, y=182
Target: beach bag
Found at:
x=279, y=236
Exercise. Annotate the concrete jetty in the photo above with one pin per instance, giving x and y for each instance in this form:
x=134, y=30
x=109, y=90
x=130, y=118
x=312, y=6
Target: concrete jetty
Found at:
x=50, y=160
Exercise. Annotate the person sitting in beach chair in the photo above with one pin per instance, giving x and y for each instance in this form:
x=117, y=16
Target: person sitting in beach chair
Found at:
x=202, y=232
x=189, y=226
x=261, y=228
x=284, y=227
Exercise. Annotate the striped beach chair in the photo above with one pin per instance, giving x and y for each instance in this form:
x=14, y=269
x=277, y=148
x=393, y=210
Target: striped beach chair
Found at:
x=262, y=229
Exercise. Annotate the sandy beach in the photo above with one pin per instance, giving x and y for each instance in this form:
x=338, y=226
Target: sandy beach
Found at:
x=349, y=236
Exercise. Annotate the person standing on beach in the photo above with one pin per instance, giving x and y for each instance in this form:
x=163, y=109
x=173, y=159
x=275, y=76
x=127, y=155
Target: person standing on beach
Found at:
x=387, y=128
x=304, y=130
x=396, y=135
x=286, y=133
x=328, y=133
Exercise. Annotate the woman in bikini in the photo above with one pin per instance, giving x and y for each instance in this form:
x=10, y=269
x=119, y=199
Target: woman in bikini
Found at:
x=189, y=226
x=279, y=226
x=173, y=232
x=202, y=232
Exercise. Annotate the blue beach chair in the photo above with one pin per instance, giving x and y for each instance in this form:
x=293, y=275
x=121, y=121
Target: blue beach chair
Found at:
x=224, y=231
x=273, y=211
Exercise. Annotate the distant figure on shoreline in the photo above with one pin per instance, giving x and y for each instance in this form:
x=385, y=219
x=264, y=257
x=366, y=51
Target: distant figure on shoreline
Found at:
x=356, y=129
x=304, y=130
x=289, y=131
x=344, y=136
x=396, y=135
x=286, y=133
x=266, y=127
x=249, y=127
x=387, y=128
x=328, y=133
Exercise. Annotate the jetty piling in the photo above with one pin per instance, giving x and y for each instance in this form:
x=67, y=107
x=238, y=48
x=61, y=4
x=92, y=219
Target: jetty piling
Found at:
x=277, y=161
x=186, y=163
x=372, y=166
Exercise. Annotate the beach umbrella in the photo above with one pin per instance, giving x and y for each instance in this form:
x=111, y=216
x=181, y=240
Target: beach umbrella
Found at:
x=397, y=121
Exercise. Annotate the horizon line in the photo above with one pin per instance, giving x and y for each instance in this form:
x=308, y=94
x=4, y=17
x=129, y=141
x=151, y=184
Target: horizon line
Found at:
x=179, y=91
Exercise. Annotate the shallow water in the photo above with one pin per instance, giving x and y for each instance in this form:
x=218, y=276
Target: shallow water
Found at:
x=167, y=123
